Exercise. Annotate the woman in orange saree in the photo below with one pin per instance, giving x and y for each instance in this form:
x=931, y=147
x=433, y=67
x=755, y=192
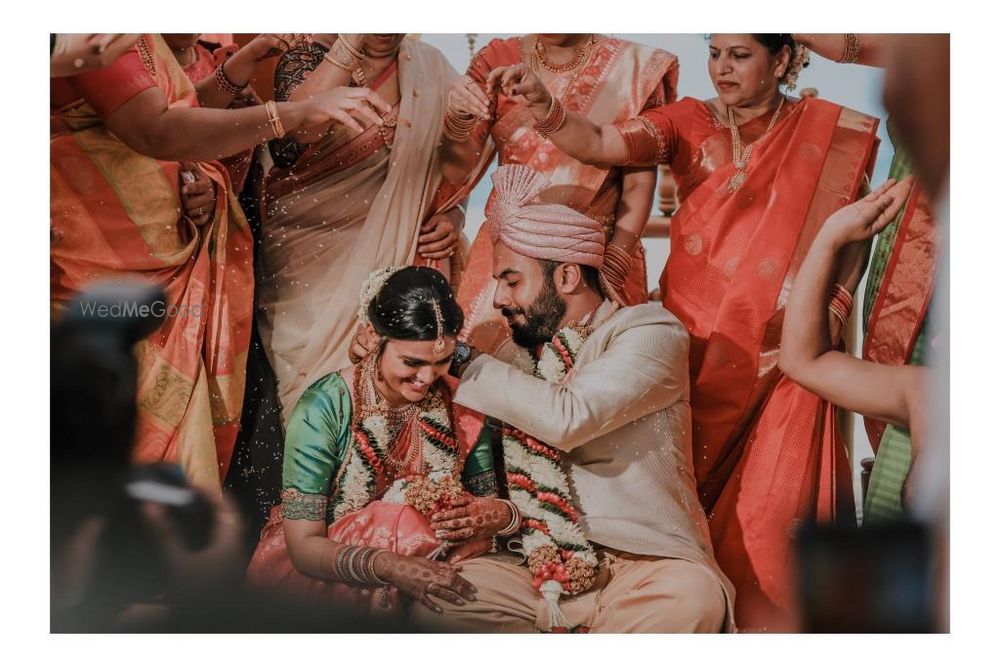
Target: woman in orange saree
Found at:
x=607, y=80
x=115, y=211
x=757, y=174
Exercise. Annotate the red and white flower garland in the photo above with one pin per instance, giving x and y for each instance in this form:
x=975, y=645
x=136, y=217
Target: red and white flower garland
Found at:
x=430, y=490
x=561, y=559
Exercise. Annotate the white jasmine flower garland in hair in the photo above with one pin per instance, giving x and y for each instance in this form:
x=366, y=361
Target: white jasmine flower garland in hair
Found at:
x=371, y=287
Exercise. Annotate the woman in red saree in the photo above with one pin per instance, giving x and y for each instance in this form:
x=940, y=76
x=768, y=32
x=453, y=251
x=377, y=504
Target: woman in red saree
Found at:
x=605, y=79
x=115, y=211
x=757, y=175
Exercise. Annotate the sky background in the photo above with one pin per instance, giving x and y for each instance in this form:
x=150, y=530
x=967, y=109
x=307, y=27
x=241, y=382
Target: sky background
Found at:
x=854, y=86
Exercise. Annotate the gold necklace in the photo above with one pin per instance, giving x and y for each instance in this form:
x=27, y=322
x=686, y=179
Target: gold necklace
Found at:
x=741, y=157
x=581, y=54
x=372, y=402
x=536, y=61
x=395, y=420
x=383, y=130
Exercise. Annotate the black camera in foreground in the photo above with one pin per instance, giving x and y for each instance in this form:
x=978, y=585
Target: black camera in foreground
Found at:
x=93, y=420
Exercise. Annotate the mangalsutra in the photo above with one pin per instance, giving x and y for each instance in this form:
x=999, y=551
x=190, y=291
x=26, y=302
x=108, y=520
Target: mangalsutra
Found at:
x=741, y=156
x=383, y=130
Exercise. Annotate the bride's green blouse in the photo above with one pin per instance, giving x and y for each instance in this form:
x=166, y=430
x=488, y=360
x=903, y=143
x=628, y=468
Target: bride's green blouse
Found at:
x=317, y=437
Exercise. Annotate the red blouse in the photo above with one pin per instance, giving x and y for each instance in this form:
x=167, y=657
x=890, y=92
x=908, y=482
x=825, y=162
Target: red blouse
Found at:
x=105, y=90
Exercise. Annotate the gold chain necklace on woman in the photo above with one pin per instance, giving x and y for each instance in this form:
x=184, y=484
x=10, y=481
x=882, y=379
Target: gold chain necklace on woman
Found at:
x=383, y=130
x=580, y=56
x=741, y=157
x=373, y=402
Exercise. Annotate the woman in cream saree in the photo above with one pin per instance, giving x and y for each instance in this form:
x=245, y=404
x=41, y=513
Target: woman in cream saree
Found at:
x=347, y=204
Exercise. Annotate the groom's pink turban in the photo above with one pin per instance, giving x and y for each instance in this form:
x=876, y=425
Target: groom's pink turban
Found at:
x=541, y=231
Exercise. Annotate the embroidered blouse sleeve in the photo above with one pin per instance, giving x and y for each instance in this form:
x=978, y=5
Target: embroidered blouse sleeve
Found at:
x=315, y=441
x=652, y=137
x=108, y=89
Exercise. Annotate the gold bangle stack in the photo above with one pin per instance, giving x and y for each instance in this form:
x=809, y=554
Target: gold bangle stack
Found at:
x=458, y=125
x=515, y=521
x=225, y=83
x=274, y=120
x=554, y=120
x=356, y=566
x=344, y=55
x=617, y=264
x=852, y=49
x=841, y=303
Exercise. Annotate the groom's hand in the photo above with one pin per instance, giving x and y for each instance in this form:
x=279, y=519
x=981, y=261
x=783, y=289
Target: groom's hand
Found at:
x=471, y=518
x=361, y=346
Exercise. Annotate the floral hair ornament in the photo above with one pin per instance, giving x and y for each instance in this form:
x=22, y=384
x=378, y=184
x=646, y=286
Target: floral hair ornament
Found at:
x=799, y=61
x=372, y=286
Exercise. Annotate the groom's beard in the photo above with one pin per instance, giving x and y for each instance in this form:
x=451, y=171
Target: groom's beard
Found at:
x=542, y=317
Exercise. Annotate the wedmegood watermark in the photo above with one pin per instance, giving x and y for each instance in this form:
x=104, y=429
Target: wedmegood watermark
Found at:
x=135, y=309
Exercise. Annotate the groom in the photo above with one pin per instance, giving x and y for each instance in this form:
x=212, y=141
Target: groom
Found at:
x=597, y=444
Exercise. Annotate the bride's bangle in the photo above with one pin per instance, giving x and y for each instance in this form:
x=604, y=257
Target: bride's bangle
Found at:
x=515, y=520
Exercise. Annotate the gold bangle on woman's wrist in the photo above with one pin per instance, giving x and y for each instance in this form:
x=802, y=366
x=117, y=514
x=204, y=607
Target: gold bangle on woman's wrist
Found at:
x=344, y=56
x=227, y=85
x=841, y=303
x=554, y=120
x=515, y=519
x=354, y=50
x=274, y=120
x=617, y=264
x=458, y=125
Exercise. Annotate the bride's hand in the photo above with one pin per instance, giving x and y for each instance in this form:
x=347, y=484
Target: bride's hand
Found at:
x=423, y=579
